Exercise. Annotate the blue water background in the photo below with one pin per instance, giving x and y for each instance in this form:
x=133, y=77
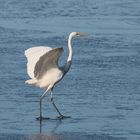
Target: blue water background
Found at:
x=101, y=91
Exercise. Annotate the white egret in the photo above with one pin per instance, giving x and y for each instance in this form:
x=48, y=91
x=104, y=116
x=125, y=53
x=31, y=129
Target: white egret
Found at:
x=43, y=68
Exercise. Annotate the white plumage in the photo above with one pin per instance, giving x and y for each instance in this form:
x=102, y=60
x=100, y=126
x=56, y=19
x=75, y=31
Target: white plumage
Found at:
x=43, y=68
x=33, y=54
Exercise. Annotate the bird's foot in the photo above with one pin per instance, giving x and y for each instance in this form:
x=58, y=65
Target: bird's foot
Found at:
x=42, y=118
x=61, y=117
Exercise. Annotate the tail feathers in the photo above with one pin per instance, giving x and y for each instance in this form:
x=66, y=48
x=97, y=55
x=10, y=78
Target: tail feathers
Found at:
x=31, y=81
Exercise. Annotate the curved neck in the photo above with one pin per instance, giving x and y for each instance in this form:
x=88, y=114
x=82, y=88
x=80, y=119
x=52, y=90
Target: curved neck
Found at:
x=70, y=48
x=69, y=59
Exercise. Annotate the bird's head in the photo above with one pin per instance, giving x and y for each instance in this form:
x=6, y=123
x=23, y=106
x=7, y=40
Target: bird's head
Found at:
x=77, y=34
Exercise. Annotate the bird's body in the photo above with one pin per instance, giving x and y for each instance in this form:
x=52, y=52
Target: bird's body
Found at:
x=44, y=72
x=48, y=80
x=43, y=68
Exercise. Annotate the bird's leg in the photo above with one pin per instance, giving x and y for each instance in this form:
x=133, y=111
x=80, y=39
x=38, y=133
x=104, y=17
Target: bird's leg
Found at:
x=41, y=98
x=41, y=108
x=52, y=100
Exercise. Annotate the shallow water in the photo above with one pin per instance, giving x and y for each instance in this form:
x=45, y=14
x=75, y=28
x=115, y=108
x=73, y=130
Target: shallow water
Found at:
x=101, y=92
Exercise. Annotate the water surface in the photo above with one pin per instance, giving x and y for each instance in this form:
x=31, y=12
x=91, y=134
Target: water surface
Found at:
x=101, y=91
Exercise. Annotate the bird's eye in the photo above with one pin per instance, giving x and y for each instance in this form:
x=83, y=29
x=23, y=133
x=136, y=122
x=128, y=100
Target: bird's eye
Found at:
x=77, y=34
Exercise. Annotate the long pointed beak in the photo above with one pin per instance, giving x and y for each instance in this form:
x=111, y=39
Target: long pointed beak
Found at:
x=82, y=34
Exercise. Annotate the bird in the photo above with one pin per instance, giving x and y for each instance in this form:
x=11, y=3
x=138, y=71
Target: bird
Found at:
x=44, y=70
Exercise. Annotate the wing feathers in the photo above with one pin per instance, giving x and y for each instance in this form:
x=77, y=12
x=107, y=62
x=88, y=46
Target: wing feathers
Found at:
x=33, y=55
x=47, y=61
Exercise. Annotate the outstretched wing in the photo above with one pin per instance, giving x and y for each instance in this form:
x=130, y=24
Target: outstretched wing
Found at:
x=48, y=61
x=33, y=55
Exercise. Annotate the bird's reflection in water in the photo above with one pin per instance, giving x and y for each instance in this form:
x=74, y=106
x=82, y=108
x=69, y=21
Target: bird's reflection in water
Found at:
x=48, y=136
x=57, y=124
